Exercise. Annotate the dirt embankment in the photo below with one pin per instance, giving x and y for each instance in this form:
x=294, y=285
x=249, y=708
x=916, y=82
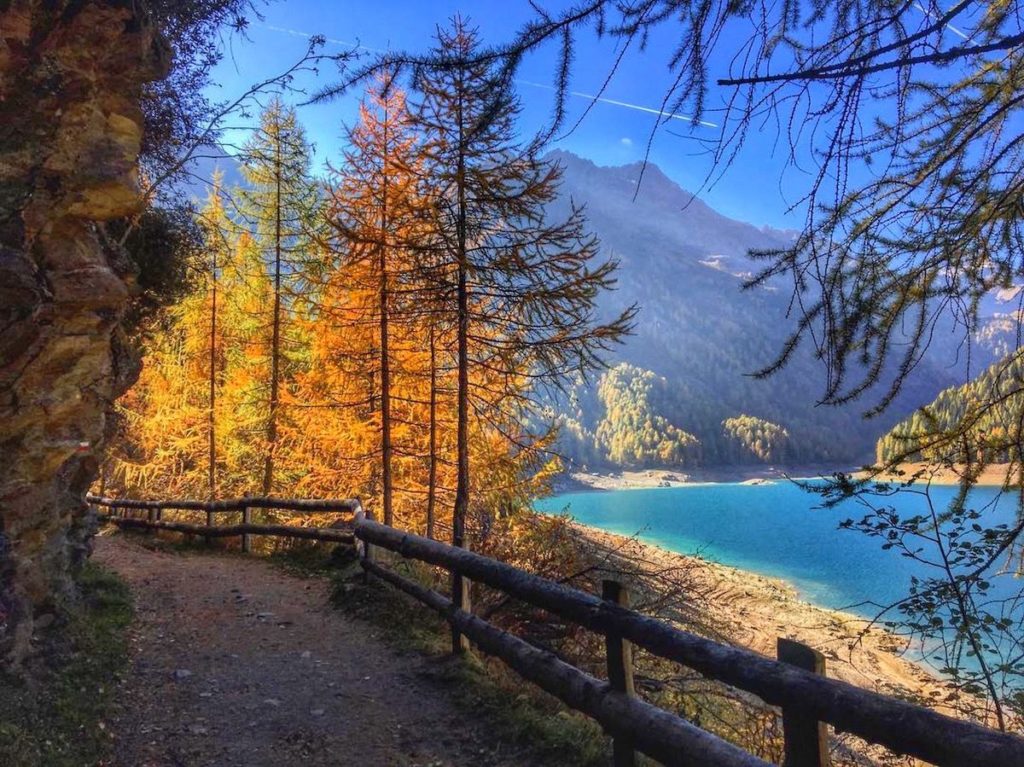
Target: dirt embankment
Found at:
x=994, y=475
x=752, y=611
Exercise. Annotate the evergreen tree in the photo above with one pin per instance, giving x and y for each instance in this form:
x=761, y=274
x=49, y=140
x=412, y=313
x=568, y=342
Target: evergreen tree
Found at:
x=168, y=443
x=521, y=290
x=376, y=215
x=280, y=204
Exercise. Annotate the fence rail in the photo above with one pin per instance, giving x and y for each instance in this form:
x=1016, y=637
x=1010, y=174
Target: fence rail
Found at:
x=304, y=505
x=902, y=727
x=655, y=731
x=244, y=505
x=327, y=535
x=795, y=682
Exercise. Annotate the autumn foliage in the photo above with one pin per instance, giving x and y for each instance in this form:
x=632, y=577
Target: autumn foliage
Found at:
x=384, y=331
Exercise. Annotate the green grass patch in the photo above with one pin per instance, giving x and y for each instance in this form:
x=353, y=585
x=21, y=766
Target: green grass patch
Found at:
x=307, y=559
x=55, y=716
x=517, y=712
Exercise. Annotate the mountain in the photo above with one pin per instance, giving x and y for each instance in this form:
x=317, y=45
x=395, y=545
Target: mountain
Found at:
x=680, y=390
x=197, y=174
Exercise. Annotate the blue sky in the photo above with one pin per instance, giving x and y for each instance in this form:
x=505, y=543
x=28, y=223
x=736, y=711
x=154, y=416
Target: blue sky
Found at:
x=612, y=134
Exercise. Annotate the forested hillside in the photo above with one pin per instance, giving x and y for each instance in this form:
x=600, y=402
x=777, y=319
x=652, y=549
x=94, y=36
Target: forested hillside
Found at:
x=681, y=393
x=985, y=414
x=633, y=432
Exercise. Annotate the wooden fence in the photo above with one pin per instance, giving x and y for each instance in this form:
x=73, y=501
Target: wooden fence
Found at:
x=244, y=506
x=795, y=682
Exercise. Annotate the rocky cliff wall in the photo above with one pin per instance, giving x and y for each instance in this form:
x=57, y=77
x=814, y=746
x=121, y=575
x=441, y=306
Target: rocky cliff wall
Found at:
x=71, y=80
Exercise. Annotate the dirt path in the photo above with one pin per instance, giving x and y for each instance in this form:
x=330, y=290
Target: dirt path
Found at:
x=234, y=662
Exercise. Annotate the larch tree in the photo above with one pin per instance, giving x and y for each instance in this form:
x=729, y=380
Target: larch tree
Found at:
x=377, y=213
x=279, y=203
x=426, y=399
x=246, y=308
x=521, y=291
x=435, y=371
x=216, y=229
x=169, y=421
x=337, y=437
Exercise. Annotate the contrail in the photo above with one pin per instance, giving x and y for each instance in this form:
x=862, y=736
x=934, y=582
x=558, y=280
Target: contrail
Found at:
x=613, y=102
x=336, y=41
x=578, y=94
x=959, y=33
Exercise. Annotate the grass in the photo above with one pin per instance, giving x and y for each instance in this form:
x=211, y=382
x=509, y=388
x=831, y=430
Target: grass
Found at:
x=306, y=559
x=55, y=716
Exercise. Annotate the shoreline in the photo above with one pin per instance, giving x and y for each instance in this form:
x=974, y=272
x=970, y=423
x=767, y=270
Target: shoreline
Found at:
x=754, y=610
x=645, y=479
x=994, y=475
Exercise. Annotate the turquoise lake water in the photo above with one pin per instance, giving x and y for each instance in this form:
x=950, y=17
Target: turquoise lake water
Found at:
x=774, y=529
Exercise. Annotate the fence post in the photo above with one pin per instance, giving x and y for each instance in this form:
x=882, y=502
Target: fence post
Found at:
x=460, y=599
x=246, y=519
x=246, y=538
x=619, y=654
x=364, y=548
x=155, y=514
x=806, y=739
x=209, y=523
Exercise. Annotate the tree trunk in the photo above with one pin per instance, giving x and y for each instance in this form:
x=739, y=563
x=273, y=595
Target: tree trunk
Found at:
x=275, y=342
x=432, y=470
x=71, y=77
x=460, y=588
x=212, y=419
x=385, y=368
x=462, y=414
x=462, y=340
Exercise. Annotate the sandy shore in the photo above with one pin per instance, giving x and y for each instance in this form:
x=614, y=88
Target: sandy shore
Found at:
x=647, y=478
x=992, y=475
x=580, y=481
x=753, y=611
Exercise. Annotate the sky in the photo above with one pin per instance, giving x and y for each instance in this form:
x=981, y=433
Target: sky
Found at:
x=611, y=134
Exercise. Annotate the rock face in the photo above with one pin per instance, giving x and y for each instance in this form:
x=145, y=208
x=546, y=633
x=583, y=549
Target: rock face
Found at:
x=71, y=79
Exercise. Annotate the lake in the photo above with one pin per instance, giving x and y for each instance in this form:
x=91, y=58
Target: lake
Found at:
x=774, y=529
